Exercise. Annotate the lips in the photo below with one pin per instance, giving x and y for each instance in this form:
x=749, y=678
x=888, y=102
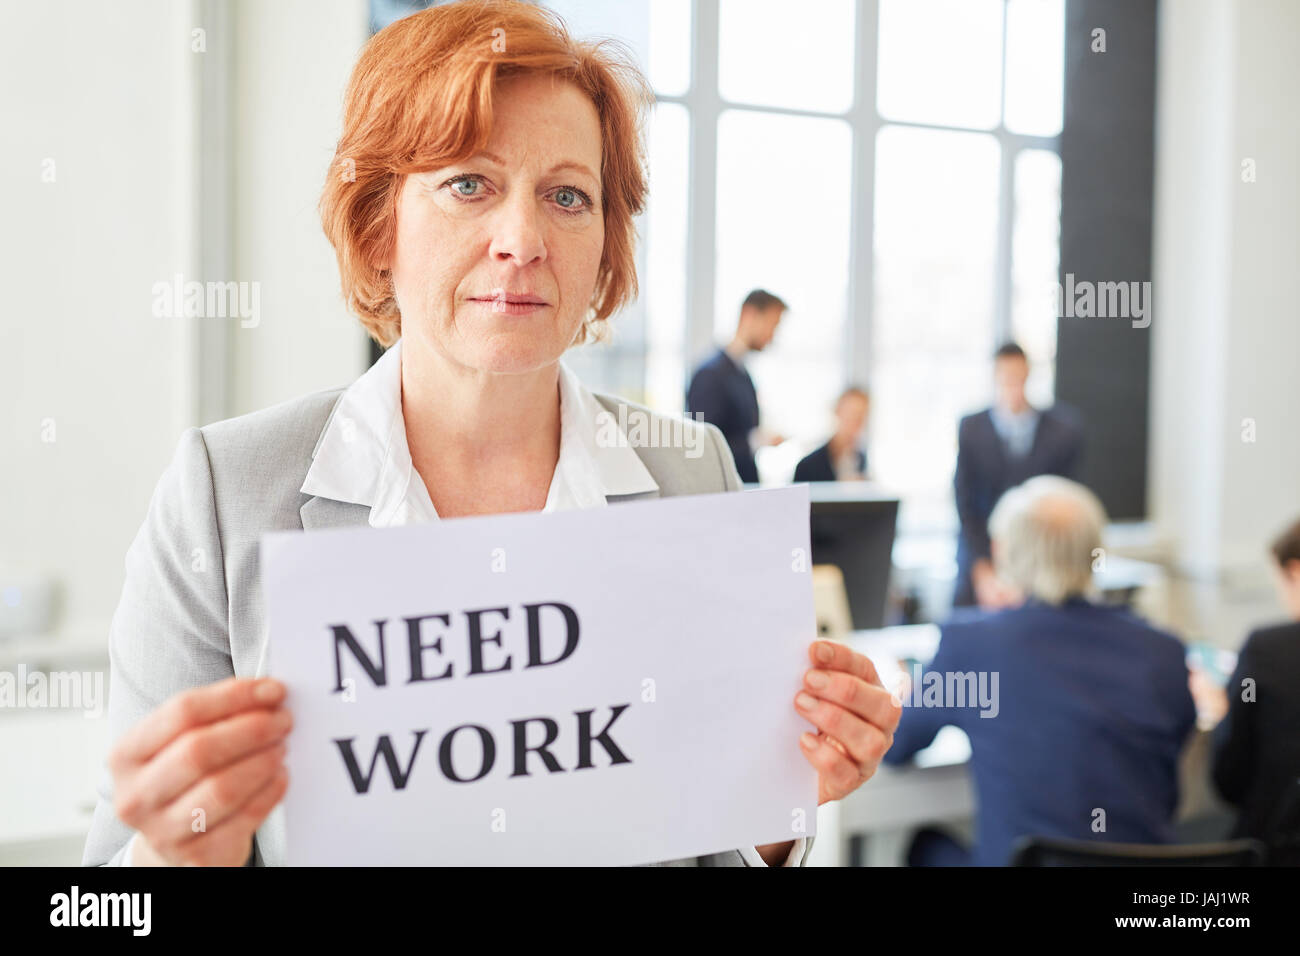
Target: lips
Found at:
x=511, y=303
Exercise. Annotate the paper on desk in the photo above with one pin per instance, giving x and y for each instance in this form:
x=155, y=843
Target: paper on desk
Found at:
x=692, y=618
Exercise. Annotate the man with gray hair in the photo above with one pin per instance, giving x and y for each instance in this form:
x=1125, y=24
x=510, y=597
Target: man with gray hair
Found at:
x=1046, y=535
x=1092, y=706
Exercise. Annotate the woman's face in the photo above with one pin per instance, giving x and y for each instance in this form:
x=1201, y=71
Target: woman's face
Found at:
x=496, y=257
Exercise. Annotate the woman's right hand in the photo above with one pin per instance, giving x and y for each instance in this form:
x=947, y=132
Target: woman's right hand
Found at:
x=217, y=749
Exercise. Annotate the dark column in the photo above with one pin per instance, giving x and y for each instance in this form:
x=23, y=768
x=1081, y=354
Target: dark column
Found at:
x=1107, y=162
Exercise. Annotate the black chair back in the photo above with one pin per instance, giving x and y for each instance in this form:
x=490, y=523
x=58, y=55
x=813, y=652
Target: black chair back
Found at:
x=1283, y=835
x=1042, y=851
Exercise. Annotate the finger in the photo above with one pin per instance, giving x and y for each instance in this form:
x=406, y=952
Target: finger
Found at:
x=219, y=795
x=194, y=708
x=194, y=755
x=871, y=702
x=834, y=743
x=213, y=848
x=833, y=656
x=839, y=774
x=865, y=742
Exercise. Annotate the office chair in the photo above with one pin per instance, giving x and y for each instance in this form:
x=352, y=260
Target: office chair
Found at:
x=1283, y=834
x=1042, y=851
x=831, y=602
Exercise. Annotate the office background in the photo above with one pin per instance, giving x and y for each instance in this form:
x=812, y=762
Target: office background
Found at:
x=913, y=177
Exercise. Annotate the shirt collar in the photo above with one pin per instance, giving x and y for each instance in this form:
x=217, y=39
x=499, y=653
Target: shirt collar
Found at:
x=1008, y=420
x=362, y=455
x=737, y=361
x=1015, y=427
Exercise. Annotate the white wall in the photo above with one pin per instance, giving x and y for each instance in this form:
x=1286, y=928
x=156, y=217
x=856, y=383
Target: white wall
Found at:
x=1261, y=489
x=111, y=94
x=292, y=62
x=100, y=90
x=1227, y=324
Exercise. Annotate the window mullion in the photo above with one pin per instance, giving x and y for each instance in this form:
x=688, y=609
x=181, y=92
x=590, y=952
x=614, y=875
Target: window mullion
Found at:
x=864, y=122
x=704, y=105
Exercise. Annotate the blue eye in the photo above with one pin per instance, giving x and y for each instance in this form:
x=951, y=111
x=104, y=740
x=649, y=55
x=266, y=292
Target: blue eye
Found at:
x=570, y=199
x=459, y=186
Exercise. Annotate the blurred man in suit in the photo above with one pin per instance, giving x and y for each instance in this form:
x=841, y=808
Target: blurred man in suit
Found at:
x=841, y=458
x=721, y=391
x=997, y=449
x=1257, y=745
x=1089, y=706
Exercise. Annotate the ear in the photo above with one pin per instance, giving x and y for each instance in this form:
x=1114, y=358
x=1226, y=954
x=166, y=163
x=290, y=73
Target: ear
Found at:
x=1291, y=570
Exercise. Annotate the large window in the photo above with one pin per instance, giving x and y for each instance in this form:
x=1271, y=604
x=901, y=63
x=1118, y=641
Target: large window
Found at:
x=965, y=218
x=890, y=168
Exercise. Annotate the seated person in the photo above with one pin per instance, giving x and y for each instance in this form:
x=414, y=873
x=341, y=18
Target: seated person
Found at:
x=1257, y=744
x=1087, y=707
x=841, y=458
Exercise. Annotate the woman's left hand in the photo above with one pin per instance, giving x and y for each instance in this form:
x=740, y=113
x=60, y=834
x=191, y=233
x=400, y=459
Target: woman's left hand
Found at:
x=854, y=714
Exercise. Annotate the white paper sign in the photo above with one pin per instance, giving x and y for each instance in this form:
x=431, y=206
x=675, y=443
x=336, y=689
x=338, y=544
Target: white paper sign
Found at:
x=597, y=687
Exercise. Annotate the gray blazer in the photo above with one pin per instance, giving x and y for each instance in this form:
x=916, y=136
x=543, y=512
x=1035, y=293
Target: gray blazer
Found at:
x=191, y=611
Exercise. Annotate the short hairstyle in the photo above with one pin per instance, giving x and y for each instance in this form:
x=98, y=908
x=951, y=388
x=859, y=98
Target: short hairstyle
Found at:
x=1286, y=547
x=1047, y=532
x=1010, y=350
x=762, y=300
x=421, y=97
x=858, y=390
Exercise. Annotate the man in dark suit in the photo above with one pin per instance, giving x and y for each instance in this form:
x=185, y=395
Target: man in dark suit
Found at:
x=841, y=458
x=1089, y=706
x=721, y=391
x=1257, y=745
x=997, y=449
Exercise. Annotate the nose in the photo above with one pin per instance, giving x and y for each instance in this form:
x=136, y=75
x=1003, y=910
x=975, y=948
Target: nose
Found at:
x=518, y=231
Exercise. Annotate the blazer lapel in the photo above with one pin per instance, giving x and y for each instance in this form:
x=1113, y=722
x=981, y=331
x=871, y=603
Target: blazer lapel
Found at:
x=1042, y=435
x=328, y=513
x=639, y=496
x=996, y=446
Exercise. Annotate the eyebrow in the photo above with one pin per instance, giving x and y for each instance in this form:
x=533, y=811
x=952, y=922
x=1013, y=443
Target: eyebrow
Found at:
x=568, y=164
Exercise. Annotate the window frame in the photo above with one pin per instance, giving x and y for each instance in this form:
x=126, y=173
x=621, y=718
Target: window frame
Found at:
x=705, y=105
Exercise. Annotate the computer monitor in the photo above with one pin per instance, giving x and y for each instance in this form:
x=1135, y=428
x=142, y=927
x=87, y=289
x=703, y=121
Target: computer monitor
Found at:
x=853, y=526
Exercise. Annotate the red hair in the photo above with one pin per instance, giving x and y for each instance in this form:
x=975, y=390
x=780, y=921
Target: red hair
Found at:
x=420, y=98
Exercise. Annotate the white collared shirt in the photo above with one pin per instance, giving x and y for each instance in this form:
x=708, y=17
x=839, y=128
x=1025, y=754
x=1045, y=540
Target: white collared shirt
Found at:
x=362, y=457
x=1016, y=429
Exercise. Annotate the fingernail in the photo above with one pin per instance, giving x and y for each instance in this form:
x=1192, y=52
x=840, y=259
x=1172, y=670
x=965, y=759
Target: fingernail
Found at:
x=824, y=653
x=808, y=741
x=816, y=680
x=895, y=701
x=283, y=721
x=805, y=701
x=268, y=692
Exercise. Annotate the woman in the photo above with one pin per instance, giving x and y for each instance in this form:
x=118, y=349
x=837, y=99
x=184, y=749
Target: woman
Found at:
x=481, y=204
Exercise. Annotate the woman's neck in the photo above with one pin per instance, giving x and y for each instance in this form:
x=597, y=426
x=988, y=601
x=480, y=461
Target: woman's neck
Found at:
x=482, y=442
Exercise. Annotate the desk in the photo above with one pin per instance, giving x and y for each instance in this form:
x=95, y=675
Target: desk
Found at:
x=936, y=787
x=897, y=800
